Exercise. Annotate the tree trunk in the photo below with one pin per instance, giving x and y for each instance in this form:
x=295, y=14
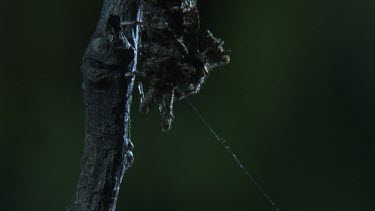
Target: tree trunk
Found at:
x=107, y=98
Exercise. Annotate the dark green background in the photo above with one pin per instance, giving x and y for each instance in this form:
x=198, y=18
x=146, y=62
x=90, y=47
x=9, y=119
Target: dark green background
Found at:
x=296, y=103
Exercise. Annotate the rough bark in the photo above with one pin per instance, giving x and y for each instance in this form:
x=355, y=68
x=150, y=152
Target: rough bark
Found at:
x=107, y=99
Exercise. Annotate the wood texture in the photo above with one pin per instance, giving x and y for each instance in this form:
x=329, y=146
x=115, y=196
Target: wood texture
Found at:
x=107, y=98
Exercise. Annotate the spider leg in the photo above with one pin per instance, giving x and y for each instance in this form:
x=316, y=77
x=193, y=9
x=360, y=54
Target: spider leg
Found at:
x=141, y=93
x=161, y=25
x=131, y=23
x=137, y=73
x=166, y=109
x=180, y=42
x=150, y=98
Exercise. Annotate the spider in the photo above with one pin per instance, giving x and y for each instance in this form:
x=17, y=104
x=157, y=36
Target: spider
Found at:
x=176, y=55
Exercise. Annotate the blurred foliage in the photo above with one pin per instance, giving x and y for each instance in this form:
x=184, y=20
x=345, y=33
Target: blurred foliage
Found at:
x=296, y=103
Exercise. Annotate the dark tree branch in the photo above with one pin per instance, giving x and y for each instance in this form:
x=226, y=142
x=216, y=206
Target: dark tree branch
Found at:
x=107, y=98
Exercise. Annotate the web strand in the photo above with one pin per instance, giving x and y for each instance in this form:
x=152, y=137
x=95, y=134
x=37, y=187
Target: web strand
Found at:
x=230, y=151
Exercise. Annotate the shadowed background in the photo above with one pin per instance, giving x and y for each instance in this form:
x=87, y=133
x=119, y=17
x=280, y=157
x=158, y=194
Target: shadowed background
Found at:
x=296, y=104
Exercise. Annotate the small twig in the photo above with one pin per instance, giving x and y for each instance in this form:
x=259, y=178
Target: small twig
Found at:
x=107, y=97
